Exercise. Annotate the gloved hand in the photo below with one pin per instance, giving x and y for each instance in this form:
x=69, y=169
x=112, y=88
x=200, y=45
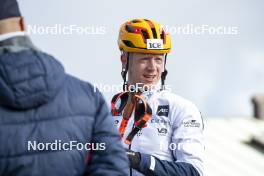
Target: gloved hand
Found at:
x=134, y=158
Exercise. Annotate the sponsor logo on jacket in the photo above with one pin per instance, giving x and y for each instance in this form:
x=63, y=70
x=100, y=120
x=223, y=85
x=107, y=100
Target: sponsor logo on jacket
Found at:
x=139, y=133
x=116, y=122
x=160, y=121
x=162, y=131
x=163, y=110
x=191, y=123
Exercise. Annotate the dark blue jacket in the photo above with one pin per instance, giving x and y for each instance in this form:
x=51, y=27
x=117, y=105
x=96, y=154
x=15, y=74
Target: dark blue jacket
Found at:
x=40, y=103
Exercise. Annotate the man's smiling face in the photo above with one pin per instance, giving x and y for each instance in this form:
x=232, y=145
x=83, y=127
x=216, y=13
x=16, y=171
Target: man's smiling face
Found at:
x=145, y=68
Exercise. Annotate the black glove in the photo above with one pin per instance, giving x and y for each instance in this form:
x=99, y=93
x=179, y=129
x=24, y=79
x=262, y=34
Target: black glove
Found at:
x=134, y=158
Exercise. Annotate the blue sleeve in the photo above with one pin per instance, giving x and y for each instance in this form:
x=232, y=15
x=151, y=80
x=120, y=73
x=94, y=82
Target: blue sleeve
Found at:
x=112, y=160
x=150, y=165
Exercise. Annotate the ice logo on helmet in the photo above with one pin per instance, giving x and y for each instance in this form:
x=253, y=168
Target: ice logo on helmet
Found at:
x=154, y=44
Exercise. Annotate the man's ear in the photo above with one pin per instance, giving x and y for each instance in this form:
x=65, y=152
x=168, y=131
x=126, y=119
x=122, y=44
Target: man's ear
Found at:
x=123, y=59
x=22, y=24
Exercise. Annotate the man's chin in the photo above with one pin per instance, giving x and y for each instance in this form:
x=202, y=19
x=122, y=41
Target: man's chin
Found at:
x=148, y=85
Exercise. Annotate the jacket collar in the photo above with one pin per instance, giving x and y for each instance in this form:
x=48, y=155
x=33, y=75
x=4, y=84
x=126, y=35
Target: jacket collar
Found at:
x=18, y=41
x=11, y=35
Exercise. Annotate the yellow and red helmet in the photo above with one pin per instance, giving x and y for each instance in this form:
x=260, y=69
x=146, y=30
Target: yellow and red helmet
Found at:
x=143, y=36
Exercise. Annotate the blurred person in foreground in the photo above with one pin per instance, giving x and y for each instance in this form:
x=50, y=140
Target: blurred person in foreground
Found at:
x=51, y=123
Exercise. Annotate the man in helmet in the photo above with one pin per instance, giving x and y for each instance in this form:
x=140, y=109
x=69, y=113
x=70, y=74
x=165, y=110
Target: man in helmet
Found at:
x=165, y=137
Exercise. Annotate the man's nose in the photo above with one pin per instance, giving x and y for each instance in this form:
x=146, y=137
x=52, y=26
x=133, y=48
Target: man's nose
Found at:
x=151, y=64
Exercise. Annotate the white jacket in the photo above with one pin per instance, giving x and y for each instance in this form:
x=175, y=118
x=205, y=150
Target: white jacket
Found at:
x=174, y=132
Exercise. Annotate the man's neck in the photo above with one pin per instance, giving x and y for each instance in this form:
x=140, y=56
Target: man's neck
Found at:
x=10, y=25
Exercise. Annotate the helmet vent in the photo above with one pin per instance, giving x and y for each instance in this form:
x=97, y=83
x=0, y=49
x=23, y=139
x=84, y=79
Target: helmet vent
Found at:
x=129, y=28
x=129, y=43
x=135, y=21
x=145, y=35
x=154, y=33
x=162, y=36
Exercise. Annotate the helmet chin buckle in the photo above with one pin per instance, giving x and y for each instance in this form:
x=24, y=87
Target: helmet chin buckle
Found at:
x=129, y=102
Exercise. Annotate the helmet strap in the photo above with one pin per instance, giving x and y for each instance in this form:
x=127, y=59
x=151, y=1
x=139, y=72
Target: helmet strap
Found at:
x=164, y=74
x=124, y=73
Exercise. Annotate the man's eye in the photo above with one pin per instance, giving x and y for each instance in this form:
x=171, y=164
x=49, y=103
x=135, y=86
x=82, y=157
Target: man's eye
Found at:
x=158, y=60
x=144, y=59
